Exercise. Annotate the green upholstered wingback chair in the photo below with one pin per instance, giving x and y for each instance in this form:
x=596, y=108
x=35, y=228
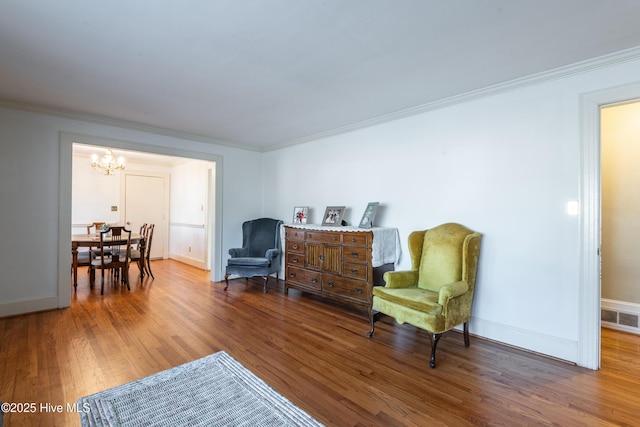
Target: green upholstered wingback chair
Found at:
x=437, y=293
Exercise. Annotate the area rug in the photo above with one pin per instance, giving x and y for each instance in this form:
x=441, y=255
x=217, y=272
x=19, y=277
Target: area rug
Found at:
x=213, y=391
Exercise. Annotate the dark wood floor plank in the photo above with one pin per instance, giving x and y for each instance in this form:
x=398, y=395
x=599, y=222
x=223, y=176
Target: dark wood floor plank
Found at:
x=314, y=352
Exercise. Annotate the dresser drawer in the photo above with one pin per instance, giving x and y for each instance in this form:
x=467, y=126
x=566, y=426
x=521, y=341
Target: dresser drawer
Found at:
x=323, y=237
x=356, y=271
x=293, y=233
x=311, y=279
x=295, y=246
x=355, y=254
x=357, y=239
x=340, y=286
x=295, y=259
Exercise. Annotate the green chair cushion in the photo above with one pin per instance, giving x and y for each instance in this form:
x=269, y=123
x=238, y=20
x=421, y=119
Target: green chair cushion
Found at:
x=423, y=300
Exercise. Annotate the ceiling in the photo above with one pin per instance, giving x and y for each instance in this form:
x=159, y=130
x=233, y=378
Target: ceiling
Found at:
x=263, y=74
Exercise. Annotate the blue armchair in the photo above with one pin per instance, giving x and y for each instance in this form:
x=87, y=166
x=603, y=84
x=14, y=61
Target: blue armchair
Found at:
x=261, y=251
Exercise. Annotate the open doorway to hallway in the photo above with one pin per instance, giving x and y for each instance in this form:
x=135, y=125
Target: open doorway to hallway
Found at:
x=620, y=154
x=589, y=332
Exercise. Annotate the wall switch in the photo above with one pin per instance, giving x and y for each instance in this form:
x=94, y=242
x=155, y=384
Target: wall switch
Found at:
x=114, y=209
x=573, y=207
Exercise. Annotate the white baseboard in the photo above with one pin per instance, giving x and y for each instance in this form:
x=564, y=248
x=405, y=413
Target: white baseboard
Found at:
x=187, y=260
x=620, y=315
x=555, y=347
x=16, y=307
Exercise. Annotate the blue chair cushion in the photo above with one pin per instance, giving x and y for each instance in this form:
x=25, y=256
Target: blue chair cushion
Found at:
x=248, y=262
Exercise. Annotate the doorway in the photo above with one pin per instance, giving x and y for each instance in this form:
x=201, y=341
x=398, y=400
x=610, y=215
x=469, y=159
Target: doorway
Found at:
x=620, y=151
x=65, y=227
x=589, y=324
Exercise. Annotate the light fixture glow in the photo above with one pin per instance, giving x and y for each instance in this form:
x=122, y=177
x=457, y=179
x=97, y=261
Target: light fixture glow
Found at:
x=107, y=164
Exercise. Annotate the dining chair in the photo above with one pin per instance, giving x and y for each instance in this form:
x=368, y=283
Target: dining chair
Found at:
x=96, y=226
x=144, y=262
x=85, y=255
x=114, y=253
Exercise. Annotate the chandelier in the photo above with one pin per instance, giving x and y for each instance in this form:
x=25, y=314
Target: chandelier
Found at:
x=107, y=164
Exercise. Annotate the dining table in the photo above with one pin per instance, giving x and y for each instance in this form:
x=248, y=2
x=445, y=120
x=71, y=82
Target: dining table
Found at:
x=93, y=241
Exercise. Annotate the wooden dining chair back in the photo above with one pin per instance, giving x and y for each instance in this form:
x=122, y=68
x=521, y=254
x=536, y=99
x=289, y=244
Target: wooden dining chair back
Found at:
x=85, y=254
x=144, y=262
x=114, y=253
x=95, y=227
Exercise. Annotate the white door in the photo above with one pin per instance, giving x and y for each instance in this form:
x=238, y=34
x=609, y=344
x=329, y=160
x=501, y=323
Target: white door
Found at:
x=146, y=201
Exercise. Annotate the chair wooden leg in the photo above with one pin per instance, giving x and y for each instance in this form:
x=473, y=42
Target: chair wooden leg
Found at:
x=141, y=269
x=434, y=342
x=374, y=316
x=149, y=268
x=125, y=277
x=102, y=284
x=226, y=279
x=373, y=327
x=466, y=334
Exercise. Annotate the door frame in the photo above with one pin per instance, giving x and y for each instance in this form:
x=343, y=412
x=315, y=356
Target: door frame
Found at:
x=64, y=226
x=591, y=217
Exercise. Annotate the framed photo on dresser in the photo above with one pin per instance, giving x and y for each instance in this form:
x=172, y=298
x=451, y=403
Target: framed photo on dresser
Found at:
x=369, y=215
x=333, y=215
x=300, y=214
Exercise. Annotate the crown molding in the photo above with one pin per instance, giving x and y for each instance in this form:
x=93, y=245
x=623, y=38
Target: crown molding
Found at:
x=531, y=80
x=94, y=118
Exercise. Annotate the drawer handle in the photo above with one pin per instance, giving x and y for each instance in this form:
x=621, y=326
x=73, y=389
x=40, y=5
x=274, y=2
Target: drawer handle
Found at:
x=354, y=254
x=353, y=240
x=314, y=280
x=292, y=274
x=335, y=238
x=295, y=246
x=295, y=260
x=354, y=271
x=330, y=284
x=358, y=290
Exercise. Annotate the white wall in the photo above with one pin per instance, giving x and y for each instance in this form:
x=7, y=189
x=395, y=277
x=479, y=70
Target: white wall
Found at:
x=503, y=165
x=30, y=200
x=189, y=210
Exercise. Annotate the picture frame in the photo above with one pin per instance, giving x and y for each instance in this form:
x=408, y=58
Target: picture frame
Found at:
x=333, y=215
x=369, y=215
x=300, y=214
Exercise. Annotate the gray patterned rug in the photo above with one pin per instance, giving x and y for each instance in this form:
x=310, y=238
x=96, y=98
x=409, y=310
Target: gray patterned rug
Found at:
x=213, y=391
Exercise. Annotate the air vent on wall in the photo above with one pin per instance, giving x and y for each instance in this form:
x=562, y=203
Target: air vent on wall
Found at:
x=624, y=321
x=628, y=319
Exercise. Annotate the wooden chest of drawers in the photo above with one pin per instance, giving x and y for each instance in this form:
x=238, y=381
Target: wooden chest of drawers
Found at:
x=332, y=264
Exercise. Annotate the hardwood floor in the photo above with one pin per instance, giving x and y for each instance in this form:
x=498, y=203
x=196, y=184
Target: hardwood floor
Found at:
x=314, y=353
